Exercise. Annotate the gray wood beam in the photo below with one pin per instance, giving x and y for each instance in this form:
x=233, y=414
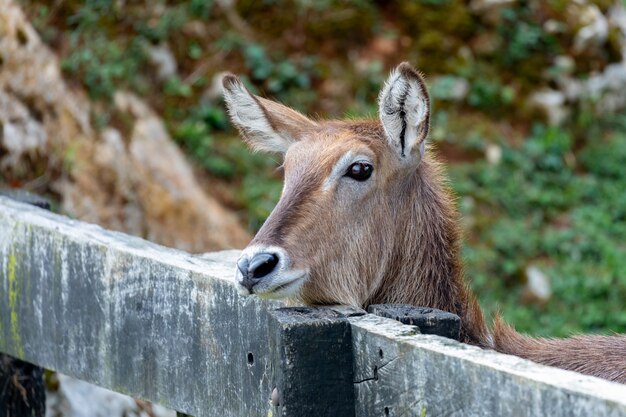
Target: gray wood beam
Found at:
x=170, y=327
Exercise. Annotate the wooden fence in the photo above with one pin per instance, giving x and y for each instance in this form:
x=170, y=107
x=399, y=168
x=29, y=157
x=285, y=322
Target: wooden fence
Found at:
x=170, y=327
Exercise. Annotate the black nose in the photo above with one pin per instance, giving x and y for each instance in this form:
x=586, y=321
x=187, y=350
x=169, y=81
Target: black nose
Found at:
x=256, y=268
x=262, y=264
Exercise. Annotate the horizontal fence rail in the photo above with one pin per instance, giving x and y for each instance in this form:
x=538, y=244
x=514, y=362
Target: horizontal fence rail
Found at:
x=170, y=327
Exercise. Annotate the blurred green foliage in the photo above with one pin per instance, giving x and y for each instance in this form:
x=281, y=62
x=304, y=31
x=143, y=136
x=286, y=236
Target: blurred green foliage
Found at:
x=555, y=200
x=568, y=217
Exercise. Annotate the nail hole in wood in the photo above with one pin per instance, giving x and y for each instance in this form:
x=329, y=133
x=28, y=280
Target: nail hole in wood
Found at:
x=250, y=359
x=380, y=353
x=386, y=411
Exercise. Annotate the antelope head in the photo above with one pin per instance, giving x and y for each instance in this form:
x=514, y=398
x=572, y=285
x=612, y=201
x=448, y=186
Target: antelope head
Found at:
x=346, y=219
x=365, y=217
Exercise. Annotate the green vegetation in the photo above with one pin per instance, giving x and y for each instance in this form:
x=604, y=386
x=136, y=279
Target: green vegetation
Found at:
x=555, y=200
x=565, y=216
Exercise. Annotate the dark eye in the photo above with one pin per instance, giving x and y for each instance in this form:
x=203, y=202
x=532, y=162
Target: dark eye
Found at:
x=360, y=171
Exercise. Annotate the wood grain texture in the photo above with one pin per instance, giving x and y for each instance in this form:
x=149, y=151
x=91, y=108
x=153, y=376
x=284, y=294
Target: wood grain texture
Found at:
x=401, y=373
x=428, y=320
x=313, y=358
x=129, y=315
x=170, y=327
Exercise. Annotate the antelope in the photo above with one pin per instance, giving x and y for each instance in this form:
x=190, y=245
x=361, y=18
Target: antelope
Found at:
x=366, y=217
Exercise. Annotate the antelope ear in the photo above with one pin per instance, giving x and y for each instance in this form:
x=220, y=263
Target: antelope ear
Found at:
x=404, y=110
x=264, y=124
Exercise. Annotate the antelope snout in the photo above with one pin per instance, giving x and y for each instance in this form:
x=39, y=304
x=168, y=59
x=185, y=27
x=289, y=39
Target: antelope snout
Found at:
x=253, y=269
x=268, y=271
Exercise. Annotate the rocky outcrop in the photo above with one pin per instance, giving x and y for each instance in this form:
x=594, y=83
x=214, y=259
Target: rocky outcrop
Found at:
x=604, y=90
x=130, y=178
x=76, y=398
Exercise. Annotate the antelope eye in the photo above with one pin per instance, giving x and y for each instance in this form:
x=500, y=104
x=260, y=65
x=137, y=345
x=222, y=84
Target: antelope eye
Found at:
x=360, y=171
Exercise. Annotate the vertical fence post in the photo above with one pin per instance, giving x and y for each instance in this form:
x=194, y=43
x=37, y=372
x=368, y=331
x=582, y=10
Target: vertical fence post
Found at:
x=22, y=389
x=312, y=351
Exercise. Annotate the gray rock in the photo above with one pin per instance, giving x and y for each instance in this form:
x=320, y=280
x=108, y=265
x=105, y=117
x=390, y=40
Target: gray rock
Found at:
x=537, y=283
x=76, y=398
x=450, y=88
x=162, y=57
x=21, y=133
x=552, y=103
x=594, y=28
x=137, y=181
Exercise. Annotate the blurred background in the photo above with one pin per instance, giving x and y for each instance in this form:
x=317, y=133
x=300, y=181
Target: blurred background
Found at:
x=113, y=110
x=97, y=98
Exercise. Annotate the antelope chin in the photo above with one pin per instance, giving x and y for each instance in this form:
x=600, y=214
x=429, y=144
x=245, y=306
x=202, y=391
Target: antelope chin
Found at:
x=283, y=285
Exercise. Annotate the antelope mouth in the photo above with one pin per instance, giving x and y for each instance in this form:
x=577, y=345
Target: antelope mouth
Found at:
x=287, y=285
x=281, y=285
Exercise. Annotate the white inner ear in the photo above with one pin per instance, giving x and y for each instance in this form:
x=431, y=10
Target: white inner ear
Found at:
x=248, y=115
x=403, y=108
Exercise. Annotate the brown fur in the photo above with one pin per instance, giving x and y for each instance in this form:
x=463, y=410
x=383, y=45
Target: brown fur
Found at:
x=396, y=242
x=601, y=356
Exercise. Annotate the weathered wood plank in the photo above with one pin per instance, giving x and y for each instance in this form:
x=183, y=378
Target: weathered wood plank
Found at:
x=129, y=315
x=428, y=320
x=25, y=197
x=22, y=390
x=170, y=327
x=313, y=348
x=398, y=373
